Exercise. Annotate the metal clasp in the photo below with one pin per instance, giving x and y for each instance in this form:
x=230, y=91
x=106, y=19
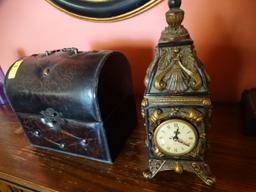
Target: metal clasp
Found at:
x=72, y=50
x=52, y=119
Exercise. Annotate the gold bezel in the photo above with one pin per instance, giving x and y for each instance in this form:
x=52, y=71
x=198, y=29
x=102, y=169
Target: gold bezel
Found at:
x=127, y=15
x=171, y=121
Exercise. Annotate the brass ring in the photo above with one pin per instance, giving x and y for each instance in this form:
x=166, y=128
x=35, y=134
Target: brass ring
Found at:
x=149, y=4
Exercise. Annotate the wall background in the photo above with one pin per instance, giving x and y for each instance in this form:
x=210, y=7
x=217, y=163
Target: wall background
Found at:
x=223, y=35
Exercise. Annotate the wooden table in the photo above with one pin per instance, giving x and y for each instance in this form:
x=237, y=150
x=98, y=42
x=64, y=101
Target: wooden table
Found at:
x=232, y=157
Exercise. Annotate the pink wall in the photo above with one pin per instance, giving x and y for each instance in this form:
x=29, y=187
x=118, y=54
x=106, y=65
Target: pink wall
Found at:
x=223, y=35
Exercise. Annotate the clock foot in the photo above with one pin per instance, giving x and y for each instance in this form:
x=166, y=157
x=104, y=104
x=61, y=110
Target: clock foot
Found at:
x=202, y=170
x=154, y=167
x=148, y=174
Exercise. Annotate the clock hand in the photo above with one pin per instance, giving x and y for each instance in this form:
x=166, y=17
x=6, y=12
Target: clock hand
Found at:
x=183, y=142
x=177, y=132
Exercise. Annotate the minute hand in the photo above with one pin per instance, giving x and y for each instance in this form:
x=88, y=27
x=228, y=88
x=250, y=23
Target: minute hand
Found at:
x=183, y=142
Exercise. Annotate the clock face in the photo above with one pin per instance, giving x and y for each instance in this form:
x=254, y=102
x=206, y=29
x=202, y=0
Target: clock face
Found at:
x=175, y=137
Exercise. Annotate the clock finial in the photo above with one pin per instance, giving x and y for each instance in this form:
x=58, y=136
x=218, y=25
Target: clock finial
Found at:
x=174, y=3
x=174, y=17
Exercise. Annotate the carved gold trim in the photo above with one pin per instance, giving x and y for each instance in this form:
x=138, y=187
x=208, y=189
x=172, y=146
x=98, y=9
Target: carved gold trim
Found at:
x=178, y=168
x=191, y=115
x=144, y=103
x=186, y=100
x=157, y=152
x=201, y=169
x=176, y=70
x=127, y=15
x=155, y=116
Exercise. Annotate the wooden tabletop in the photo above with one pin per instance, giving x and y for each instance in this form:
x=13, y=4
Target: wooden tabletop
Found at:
x=232, y=158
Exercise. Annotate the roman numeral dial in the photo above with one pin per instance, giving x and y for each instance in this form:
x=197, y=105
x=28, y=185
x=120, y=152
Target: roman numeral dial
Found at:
x=175, y=137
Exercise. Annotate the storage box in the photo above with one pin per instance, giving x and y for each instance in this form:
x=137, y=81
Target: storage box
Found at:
x=78, y=103
x=248, y=102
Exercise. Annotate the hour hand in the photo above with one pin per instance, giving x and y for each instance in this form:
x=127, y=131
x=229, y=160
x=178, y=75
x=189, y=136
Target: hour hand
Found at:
x=177, y=132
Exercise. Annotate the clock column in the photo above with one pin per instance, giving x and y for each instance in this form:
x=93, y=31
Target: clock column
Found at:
x=176, y=91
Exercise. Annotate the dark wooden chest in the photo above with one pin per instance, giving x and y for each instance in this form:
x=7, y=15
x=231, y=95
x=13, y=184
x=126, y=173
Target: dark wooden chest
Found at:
x=79, y=103
x=248, y=102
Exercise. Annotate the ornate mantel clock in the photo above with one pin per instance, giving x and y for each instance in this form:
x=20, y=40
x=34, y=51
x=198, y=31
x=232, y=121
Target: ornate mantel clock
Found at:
x=176, y=104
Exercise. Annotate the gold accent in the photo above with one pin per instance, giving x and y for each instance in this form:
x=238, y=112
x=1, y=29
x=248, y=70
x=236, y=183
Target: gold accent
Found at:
x=174, y=34
x=202, y=170
x=177, y=70
x=14, y=69
x=178, y=100
x=195, y=116
x=144, y=104
x=147, y=174
x=203, y=136
x=192, y=115
x=175, y=17
x=154, y=167
x=175, y=31
x=178, y=168
x=170, y=75
x=207, y=102
x=155, y=116
x=151, y=66
x=196, y=82
x=127, y=15
x=157, y=152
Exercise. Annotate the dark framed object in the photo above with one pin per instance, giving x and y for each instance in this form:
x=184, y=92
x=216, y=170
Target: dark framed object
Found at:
x=103, y=10
x=248, y=103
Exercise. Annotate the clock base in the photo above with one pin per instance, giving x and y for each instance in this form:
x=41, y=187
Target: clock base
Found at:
x=201, y=169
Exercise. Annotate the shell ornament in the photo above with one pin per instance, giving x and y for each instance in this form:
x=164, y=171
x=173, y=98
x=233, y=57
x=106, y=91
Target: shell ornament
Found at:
x=174, y=76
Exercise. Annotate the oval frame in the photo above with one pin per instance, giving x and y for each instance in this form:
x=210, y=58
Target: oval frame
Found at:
x=103, y=10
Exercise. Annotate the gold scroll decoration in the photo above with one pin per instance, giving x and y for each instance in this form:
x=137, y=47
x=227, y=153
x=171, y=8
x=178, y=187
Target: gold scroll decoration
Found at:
x=177, y=71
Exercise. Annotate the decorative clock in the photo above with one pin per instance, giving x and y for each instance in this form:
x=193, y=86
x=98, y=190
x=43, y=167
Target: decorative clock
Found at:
x=176, y=105
x=103, y=10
